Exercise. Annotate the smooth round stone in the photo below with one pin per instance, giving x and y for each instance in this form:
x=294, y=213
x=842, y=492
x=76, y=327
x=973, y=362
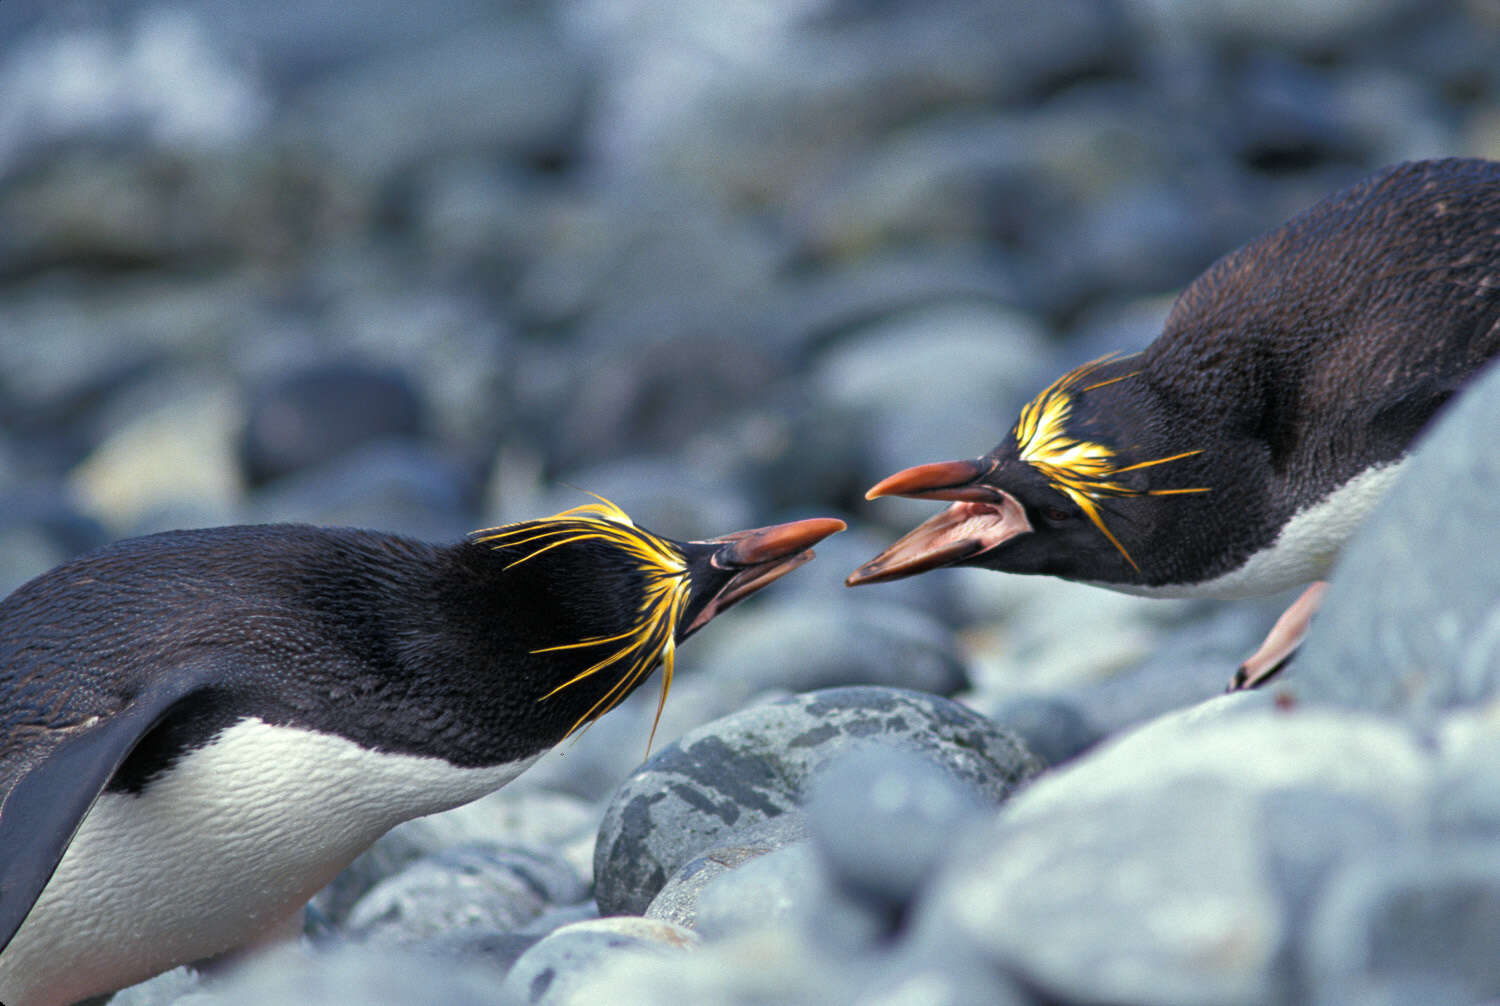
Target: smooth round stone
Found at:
x=1023, y=634
x=104, y=201
x=630, y=399
x=1243, y=740
x=26, y=551
x=798, y=454
x=516, y=83
x=1466, y=790
x=1149, y=235
x=46, y=524
x=1156, y=897
x=884, y=819
x=495, y=948
x=1294, y=23
x=789, y=888
x=1420, y=925
x=306, y=418
x=562, y=915
x=165, y=466
x=169, y=70
x=400, y=486
x=1174, y=864
x=783, y=106
x=1411, y=621
x=452, y=346
x=803, y=645
x=677, y=901
x=844, y=295
x=768, y=890
x=1115, y=325
x=918, y=973
x=767, y=965
x=1190, y=660
x=519, y=817
x=350, y=975
x=595, y=762
x=1310, y=834
x=165, y=989
x=1055, y=729
x=553, y=972
x=960, y=176
x=468, y=887
x=698, y=792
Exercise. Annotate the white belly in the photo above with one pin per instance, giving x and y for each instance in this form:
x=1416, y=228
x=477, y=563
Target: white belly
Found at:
x=235, y=838
x=1304, y=551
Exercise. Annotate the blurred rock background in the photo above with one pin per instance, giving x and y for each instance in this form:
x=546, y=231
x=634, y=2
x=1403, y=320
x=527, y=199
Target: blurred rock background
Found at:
x=433, y=266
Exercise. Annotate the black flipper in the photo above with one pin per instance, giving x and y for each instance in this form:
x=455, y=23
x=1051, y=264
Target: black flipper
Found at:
x=43, y=810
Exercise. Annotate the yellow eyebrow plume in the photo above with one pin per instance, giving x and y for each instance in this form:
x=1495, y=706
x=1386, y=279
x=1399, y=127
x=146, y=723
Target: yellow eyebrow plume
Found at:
x=663, y=602
x=1083, y=470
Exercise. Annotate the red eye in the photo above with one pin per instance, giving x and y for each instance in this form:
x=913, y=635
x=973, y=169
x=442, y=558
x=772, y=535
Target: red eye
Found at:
x=1055, y=514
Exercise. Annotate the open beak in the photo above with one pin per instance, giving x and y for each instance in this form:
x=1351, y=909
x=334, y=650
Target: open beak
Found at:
x=760, y=556
x=980, y=518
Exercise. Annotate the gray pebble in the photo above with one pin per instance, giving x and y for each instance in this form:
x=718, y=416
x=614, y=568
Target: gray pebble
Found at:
x=468, y=887
x=401, y=486
x=1418, y=926
x=1466, y=792
x=789, y=889
x=350, y=975
x=307, y=417
x=767, y=966
x=800, y=645
x=1172, y=865
x=552, y=972
x=922, y=973
x=518, y=816
x=769, y=890
x=163, y=990
x=1055, y=729
x=884, y=819
x=677, y=901
x=697, y=792
x=517, y=83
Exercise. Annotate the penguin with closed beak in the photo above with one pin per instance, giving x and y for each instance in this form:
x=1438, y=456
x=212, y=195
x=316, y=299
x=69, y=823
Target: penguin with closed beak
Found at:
x=199, y=729
x=1236, y=453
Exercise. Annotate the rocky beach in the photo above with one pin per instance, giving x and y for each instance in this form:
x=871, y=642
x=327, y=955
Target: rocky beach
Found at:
x=432, y=267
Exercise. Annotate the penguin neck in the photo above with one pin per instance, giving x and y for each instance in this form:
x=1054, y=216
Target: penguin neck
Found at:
x=485, y=645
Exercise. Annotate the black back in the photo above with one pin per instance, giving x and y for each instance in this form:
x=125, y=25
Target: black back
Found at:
x=399, y=645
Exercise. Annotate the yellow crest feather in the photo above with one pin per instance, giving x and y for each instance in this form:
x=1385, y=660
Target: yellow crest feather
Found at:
x=663, y=602
x=1083, y=470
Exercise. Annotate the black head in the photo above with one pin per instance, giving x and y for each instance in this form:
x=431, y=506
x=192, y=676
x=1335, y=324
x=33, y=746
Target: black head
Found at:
x=630, y=596
x=1068, y=493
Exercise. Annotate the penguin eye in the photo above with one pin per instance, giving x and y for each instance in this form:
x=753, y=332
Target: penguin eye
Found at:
x=1055, y=515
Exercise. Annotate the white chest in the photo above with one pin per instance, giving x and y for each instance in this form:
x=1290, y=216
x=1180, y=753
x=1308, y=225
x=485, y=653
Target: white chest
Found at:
x=233, y=840
x=1304, y=551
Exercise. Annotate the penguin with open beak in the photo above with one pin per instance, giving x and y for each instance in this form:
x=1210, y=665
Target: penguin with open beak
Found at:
x=1236, y=454
x=199, y=729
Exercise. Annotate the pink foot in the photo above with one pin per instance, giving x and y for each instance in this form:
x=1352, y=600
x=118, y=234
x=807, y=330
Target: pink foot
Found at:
x=1282, y=641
